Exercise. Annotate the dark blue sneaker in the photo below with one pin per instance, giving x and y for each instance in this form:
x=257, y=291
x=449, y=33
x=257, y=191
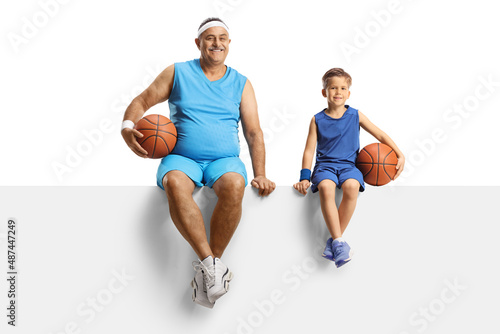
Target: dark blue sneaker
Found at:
x=341, y=253
x=328, y=252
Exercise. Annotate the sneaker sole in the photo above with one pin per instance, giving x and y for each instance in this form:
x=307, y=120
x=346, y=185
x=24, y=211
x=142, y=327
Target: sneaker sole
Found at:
x=351, y=253
x=224, y=290
x=328, y=257
x=198, y=301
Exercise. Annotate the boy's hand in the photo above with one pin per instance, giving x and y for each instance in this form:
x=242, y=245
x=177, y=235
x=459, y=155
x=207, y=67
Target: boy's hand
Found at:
x=400, y=166
x=302, y=186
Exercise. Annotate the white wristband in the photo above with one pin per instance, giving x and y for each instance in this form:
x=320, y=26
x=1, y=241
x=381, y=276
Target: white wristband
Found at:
x=127, y=125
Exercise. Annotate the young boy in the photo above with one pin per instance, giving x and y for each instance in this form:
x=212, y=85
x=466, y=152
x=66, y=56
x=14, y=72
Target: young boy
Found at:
x=335, y=130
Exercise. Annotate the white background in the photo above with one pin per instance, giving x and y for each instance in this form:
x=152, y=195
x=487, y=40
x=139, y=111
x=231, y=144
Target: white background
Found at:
x=83, y=64
x=81, y=67
x=398, y=281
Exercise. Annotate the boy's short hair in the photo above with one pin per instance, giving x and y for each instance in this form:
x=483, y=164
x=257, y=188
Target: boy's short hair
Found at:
x=336, y=72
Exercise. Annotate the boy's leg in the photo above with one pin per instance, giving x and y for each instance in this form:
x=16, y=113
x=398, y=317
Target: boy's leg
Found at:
x=329, y=208
x=350, y=191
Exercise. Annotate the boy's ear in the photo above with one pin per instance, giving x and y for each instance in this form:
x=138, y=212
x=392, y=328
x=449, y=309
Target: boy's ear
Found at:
x=323, y=91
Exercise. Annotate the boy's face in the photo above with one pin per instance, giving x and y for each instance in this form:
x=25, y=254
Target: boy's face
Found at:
x=336, y=91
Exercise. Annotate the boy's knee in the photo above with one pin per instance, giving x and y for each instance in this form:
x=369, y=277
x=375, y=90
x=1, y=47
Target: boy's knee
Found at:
x=327, y=186
x=350, y=187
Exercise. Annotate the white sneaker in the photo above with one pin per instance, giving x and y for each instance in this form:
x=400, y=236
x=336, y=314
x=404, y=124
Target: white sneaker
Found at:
x=199, y=285
x=218, y=283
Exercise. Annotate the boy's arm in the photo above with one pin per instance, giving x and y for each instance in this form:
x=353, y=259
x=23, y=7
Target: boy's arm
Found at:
x=312, y=137
x=384, y=138
x=307, y=158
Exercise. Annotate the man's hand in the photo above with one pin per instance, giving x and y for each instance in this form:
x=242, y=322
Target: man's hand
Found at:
x=130, y=136
x=302, y=186
x=264, y=185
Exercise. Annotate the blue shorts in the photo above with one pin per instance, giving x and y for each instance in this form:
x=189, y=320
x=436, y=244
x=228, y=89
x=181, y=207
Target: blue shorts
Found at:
x=200, y=172
x=338, y=173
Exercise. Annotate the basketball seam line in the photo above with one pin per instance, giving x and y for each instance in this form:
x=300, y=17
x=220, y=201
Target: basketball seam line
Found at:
x=372, y=161
x=387, y=164
x=170, y=133
x=154, y=147
x=375, y=163
x=378, y=157
x=166, y=144
x=147, y=120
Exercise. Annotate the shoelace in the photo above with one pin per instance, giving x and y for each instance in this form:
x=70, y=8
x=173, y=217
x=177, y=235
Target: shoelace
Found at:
x=338, y=250
x=208, y=273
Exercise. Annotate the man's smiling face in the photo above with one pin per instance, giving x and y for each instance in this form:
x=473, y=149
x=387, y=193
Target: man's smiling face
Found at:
x=214, y=44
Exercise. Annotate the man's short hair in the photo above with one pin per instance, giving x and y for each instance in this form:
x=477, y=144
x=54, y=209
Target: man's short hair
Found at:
x=336, y=72
x=210, y=19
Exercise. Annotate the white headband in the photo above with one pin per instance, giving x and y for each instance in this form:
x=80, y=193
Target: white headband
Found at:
x=210, y=25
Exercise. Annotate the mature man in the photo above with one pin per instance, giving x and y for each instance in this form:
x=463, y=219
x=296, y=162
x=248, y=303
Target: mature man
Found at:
x=207, y=99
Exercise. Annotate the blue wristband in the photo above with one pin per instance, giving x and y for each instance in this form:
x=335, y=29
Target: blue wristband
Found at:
x=305, y=174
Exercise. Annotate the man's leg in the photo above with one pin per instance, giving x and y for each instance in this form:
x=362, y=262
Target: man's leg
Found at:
x=185, y=213
x=229, y=189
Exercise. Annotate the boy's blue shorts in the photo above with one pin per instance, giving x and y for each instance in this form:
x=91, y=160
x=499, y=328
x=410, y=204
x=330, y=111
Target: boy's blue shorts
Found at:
x=338, y=173
x=200, y=172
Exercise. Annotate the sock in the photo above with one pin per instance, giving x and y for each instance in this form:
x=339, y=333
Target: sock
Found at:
x=339, y=239
x=208, y=261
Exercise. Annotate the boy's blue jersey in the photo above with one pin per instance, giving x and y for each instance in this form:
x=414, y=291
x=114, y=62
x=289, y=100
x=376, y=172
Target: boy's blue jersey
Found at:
x=338, y=139
x=206, y=113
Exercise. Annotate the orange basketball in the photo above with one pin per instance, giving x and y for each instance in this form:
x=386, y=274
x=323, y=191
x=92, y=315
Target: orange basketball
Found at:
x=378, y=163
x=159, y=133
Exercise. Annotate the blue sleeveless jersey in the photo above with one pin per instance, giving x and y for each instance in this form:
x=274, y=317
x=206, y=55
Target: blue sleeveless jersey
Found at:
x=206, y=114
x=338, y=139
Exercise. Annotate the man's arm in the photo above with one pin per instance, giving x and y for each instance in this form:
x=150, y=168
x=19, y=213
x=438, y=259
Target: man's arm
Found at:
x=255, y=139
x=158, y=91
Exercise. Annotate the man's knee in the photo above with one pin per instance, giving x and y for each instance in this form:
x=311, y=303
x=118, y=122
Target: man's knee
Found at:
x=176, y=182
x=230, y=185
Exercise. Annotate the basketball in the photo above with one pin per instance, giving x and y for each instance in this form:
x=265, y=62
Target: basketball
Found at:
x=378, y=163
x=159, y=133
